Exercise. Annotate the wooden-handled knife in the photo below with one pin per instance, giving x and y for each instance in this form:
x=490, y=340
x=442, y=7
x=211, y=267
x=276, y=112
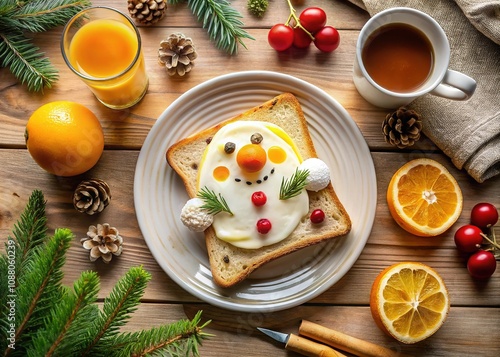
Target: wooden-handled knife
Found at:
x=301, y=345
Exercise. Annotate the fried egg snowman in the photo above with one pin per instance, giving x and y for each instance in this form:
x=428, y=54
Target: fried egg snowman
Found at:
x=243, y=179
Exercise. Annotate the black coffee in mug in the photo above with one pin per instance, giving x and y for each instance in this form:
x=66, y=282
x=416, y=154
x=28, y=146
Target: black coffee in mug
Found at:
x=398, y=57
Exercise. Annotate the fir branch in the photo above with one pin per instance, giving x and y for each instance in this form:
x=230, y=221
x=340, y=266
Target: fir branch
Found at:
x=28, y=233
x=222, y=22
x=17, y=52
x=180, y=339
x=123, y=300
x=25, y=61
x=213, y=203
x=39, y=285
x=42, y=15
x=62, y=334
x=294, y=185
x=51, y=319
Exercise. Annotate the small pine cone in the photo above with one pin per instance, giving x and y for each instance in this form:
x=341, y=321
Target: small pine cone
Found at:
x=147, y=12
x=103, y=242
x=177, y=54
x=91, y=196
x=402, y=127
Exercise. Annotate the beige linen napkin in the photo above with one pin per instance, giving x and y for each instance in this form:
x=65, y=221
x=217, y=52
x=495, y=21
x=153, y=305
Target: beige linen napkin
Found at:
x=469, y=131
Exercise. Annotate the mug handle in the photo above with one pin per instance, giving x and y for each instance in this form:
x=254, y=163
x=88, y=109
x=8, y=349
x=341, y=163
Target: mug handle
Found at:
x=456, y=86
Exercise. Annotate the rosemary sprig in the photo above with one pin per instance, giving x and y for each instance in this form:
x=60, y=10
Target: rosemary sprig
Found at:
x=213, y=203
x=294, y=185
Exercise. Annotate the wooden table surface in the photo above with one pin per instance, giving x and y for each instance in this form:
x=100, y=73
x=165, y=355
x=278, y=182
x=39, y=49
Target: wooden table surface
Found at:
x=473, y=324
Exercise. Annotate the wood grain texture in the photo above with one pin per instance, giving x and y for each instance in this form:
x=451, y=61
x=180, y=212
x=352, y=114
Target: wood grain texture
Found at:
x=473, y=323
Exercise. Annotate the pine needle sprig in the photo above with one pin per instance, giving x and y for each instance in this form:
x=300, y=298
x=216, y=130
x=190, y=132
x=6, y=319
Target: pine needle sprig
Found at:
x=54, y=320
x=17, y=52
x=181, y=339
x=294, y=185
x=222, y=22
x=213, y=204
x=62, y=333
x=26, y=62
x=28, y=233
x=39, y=286
x=39, y=16
x=122, y=301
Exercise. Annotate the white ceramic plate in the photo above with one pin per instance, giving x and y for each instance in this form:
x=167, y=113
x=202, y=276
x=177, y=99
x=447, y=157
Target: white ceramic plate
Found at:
x=159, y=194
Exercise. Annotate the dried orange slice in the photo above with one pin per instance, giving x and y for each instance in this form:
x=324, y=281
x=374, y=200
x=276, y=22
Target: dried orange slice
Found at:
x=424, y=198
x=409, y=301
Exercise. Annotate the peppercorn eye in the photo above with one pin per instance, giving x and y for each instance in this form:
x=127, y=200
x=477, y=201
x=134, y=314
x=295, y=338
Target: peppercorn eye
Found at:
x=251, y=158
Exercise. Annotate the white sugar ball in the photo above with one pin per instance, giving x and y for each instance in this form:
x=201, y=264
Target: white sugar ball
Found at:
x=194, y=217
x=319, y=174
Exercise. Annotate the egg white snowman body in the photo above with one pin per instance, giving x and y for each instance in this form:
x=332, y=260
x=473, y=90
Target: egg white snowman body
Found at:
x=247, y=158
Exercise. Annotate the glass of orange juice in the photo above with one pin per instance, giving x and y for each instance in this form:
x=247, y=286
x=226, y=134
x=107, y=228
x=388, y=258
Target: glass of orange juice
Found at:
x=103, y=47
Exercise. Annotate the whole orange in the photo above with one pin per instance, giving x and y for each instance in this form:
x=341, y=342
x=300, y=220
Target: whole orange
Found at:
x=64, y=138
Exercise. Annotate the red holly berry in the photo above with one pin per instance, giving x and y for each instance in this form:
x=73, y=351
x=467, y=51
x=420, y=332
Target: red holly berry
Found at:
x=263, y=226
x=259, y=198
x=317, y=216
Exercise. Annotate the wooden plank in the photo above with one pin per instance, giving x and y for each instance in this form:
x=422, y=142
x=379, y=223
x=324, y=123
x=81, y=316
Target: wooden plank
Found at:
x=466, y=332
x=386, y=245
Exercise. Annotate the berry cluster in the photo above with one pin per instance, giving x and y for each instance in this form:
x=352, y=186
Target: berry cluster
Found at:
x=473, y=239
x=309, y=26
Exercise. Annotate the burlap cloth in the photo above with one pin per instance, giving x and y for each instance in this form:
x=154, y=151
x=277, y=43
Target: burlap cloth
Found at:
x=469, y=131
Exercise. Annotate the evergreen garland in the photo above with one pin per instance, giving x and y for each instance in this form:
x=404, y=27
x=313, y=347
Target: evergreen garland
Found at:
x=17, y=52
x=41, y=317
x=222, y=22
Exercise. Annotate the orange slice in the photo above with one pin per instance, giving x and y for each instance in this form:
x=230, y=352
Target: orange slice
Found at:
x=424, y=198
x=409, y=301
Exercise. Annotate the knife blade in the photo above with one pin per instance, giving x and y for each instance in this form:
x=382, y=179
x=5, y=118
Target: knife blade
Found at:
x=301, y=345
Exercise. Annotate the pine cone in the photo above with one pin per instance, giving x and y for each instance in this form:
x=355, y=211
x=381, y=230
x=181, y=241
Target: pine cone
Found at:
x=177, y=54
x=103, y=242
x=147, y=12
x=402, y=127
x=91, y=196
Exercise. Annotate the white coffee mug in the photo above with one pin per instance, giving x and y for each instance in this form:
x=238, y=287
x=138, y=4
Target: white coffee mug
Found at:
x=442, y=81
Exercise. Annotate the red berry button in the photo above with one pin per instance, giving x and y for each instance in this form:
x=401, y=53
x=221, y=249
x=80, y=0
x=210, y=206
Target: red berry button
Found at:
x=317, y=216
x=259, y=198
x=263, y=226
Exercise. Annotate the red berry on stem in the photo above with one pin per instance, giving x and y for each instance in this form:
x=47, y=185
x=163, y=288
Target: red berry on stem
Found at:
x=259, y=198
x=300, y=38
x=484, y=215
x=468, y=238
x=482, y=264
x=280, y=37
x=317, y=216
x=327, y=39
x=263, y=226
x=313, y=19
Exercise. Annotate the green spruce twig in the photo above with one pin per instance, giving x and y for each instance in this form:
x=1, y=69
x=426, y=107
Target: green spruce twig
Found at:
x=222, y=22
x=42, y=15
x=45, y=318
x=123, y=300
x=17, y=52
x=175, y=340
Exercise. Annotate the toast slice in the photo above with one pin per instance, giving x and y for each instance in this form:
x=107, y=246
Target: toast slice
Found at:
x=230, y=264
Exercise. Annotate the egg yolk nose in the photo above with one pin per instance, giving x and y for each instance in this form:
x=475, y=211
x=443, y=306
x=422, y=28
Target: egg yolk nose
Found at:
x=251, y=158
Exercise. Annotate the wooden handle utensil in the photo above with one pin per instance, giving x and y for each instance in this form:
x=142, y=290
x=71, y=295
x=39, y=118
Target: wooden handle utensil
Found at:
x=310, y=348
x=344, y=342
